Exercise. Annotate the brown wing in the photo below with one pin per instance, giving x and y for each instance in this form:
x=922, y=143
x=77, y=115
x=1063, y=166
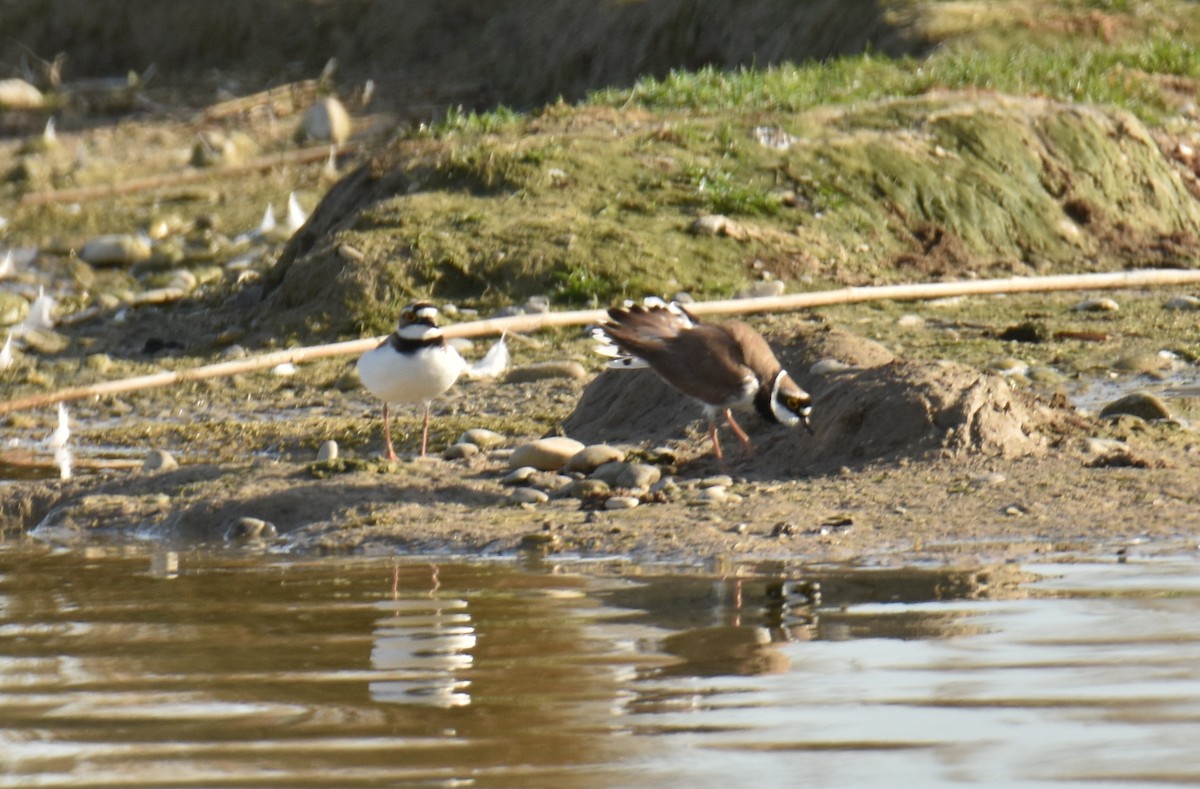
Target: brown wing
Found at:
x=698, y=359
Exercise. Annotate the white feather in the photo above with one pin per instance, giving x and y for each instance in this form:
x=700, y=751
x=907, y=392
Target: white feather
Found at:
x=62, y=433
x=267, y=225
x=295, y=214
x=6, y=353
x=492, y=365
x=41, y=313
x=7, y=266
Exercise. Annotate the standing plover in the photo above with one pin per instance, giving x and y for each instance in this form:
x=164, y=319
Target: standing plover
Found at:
x=413, y=365
x=723, y=365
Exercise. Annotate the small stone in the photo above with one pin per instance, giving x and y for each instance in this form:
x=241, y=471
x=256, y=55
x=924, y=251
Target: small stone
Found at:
x=608, y=472
x=1147, y=363
x=621, y=503
x=1182, y=303
x=661, y=455
x=17, y=94
x=708, y=496
x=327, y=451
x=159, y=460
x=481, y=437
x=984, y=480
x=13, y=308
x=717, y=481
x=911, y=321
x=582, y=488
x=116, y=250
x=638, y=476
x=828, y=367
x=1104, y=446
x=763, y=289
x=1104, y=304
x=460, y=451
x=592, y=457
x=666, y=486
x=1140, y=404
x=542, y=371
x=545, y=454
x=519, y=476
x=99, y=362
x=325, y=121
x=251, y=529
x=528, y=496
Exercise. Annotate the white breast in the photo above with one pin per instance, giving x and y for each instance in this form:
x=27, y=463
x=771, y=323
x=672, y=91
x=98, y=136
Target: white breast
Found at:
x=396, y=377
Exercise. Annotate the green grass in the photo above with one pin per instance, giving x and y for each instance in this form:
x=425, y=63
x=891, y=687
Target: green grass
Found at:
x=1122, y=76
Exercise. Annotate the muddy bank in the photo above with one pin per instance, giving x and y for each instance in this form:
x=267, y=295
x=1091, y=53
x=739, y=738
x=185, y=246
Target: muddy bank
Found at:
x=426, y=56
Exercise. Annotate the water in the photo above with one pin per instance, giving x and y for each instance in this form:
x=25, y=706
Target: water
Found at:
x=137, y=667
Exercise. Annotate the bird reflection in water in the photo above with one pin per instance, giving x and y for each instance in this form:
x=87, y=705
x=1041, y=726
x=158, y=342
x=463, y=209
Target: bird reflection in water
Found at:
x=422, y=647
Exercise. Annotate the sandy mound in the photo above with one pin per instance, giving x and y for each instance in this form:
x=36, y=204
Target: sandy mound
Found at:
x=878, y=408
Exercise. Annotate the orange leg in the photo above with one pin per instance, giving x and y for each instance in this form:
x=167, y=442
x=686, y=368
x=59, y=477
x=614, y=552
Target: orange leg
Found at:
x=387, y=434
x=712, y=434
x=425, y=431
x=741, y=434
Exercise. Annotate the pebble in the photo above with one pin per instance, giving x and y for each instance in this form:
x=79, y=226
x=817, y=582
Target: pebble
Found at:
x=325, y=121
x=582, y=488
x=248, y=528
x=545, y=454
x=667, y=486
x=1182, y=303
x=519, y=476
x=481, y=437
x=763, y=289
x=828, y=367
x=717, y=481
x=715, y=494
x=460, y=451
x=1104, y=304
x=542, y=371
x=608, y=472
x=528, y=496
x=1147, y=362
x=13, y=308
x=638, y=476
x=1140, y=404
x=1104, y=446
x=621, y=503
x=159, y=460
x=592, y=457
x=327, y=451
x=911, y=321
x=17, y=94
x=115, y=250
x=661, y=455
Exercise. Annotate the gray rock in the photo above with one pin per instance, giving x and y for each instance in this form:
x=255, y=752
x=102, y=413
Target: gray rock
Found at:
x=1147, y=362
x=587, y=487
x=481, y=437
x=17, y=94
x=159, y=460
x=715, y=494
x=541, y=371
x=592, y=457
x=716, y=481
x=621, y=503
x=1140, y=404
x=460, y=451
x=116, y=250
x=638, y=476
x=528, y=496
x=1182, y=303
x=13, y=308
x=519, y=476
x=251, y=529
x=545, y=454
x=828, y=367
x=328, y=451
x=1103, y=304
x=608, y=472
